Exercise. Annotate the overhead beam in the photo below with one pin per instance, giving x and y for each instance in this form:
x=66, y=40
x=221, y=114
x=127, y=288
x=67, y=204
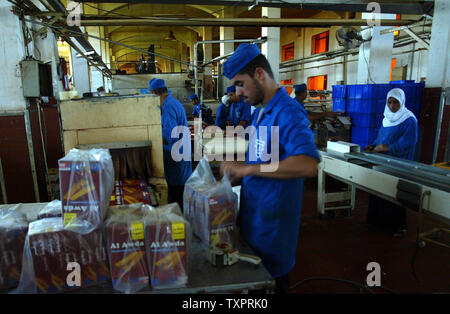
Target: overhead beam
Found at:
x=387, y=6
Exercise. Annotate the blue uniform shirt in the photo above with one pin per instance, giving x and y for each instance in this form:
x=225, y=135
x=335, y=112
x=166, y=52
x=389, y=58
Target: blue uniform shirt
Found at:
x=270, y=208
x=401, y=139
x=206, y=113
x=240, y=111
x=301, y=106
x=173, y=115
x=221, y=116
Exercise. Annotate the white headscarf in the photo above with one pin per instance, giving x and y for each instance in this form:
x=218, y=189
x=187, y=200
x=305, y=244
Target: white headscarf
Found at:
x=395, y=118
x=225, y=99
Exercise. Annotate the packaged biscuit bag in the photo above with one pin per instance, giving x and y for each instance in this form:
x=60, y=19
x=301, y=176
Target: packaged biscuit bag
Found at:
x=167, y=241
x=13, y=231
x=124, y=228
x=57, y=260
x=86, y=179
x=210, y=206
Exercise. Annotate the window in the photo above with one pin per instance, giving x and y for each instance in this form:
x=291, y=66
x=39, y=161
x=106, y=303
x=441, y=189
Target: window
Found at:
x=319, y=42
x=317, y=82
x=393, y=65
x=287, y=52
x=288, y=88
x=397, y=17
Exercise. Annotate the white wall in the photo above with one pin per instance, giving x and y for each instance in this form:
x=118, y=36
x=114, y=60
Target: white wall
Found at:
x=417, y=62
x=11, y=52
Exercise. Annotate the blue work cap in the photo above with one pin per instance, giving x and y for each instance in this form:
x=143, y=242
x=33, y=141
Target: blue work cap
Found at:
x=156, y=84
x=239, y=59
x=194, y=96
x=231, y=89
x=300, y=88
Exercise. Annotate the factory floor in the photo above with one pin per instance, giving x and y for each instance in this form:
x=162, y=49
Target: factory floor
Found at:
x=341, y=248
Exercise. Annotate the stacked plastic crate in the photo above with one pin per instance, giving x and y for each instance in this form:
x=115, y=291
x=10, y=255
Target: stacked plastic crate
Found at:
x=339, y=95
x=365, y=107
x=365, y=104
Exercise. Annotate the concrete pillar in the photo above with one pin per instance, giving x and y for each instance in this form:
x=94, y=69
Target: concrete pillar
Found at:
x=80, y=76
x=374, y=63
x=271, y=48
x=225, y=48
x=207, y=56
x=438, y=74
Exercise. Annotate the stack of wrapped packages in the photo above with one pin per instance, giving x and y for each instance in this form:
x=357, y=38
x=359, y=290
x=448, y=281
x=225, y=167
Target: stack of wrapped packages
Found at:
x=211, y=207
x=54, y=243
x=147, y=246
x=134, y=246
x=13, y=231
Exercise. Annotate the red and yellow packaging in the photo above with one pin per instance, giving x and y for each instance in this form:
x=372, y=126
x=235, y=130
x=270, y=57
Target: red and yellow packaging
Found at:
x=86, y=181
x=167, y=244
x=126, y=248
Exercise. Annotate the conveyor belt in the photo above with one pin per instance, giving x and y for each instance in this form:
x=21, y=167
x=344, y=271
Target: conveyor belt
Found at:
x=409, y=170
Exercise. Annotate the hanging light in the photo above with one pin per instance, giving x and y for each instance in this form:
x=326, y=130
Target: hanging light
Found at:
x=170, y=36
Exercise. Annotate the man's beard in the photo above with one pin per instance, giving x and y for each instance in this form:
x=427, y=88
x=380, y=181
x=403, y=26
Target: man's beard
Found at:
x=259, y=93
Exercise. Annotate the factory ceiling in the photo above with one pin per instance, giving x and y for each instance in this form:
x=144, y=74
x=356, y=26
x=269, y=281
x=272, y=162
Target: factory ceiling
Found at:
x=173, y=26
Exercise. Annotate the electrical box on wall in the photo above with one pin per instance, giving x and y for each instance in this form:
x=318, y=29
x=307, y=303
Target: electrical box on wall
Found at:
x=36, y=78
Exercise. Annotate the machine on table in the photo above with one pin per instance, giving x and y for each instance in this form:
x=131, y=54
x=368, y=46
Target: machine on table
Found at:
x=417, y=186
x=118, y=123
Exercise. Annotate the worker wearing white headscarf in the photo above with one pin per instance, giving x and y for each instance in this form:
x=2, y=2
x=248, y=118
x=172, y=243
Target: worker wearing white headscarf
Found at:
x=223, y=112
x=398, y=133
x=397, y=137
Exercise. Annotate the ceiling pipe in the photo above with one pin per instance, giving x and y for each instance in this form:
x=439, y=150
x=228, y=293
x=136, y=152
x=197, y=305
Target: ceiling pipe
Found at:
x=235, y=22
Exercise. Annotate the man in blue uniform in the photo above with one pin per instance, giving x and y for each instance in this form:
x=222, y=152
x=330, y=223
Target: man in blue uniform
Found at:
x=222, y=112
x=301, y=93
x=270, y=206
x=240, y=111
x=173, y=115
x=206, y=111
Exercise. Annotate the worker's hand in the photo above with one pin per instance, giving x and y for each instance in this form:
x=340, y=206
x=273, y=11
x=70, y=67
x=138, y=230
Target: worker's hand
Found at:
x=236, y=170
x=369, y=148
x=381, y=148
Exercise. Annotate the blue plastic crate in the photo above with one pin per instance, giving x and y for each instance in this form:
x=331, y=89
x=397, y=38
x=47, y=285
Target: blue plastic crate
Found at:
x=339, y=104
x=364, y=134
x=368, y=91
x=339, y=91
x=402, y=82
x=366, y=105
x=367, y=120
